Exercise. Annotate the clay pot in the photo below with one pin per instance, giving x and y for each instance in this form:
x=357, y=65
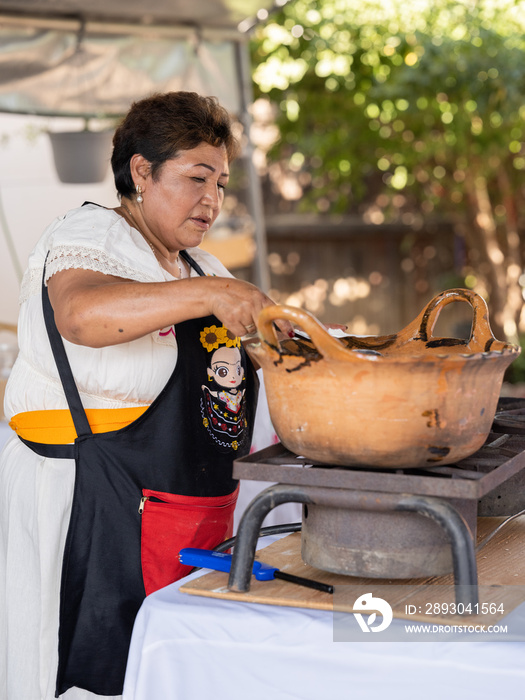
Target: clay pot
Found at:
x=402, y=401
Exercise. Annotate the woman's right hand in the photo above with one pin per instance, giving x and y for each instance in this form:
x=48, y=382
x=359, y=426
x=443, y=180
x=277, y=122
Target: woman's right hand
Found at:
x=237, y=305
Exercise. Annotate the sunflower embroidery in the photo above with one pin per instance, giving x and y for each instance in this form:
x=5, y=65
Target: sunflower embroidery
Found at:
x=232, y=341
x=212, y=336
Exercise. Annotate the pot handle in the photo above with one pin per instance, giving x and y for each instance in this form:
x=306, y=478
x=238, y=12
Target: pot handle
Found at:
x=481, y=337
x=327, y=345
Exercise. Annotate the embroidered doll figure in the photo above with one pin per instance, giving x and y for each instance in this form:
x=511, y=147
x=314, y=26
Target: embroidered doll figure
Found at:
x=227, y=371
x=222, y=405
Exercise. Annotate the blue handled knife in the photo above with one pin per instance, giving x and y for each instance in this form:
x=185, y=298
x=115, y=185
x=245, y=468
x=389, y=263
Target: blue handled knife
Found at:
x=220, y=561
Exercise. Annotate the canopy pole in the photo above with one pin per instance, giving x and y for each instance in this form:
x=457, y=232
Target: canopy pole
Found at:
x=261, y=270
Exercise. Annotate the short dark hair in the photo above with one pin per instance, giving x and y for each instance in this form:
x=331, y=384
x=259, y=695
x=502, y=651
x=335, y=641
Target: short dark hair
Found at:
x=160, y=126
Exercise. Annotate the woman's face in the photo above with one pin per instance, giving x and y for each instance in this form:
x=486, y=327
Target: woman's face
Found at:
x=183, y=202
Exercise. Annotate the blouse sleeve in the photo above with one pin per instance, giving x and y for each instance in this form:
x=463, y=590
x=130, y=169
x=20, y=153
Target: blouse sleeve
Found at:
x=90, y=238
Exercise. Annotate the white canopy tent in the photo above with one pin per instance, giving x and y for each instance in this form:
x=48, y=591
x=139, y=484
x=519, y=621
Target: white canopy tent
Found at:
x=92, y=58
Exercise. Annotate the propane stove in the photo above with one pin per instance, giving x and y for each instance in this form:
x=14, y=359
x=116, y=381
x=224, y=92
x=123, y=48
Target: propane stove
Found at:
x=389, y=523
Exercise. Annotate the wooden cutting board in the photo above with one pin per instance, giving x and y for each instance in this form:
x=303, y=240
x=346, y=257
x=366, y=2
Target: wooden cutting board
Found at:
x=501, y=577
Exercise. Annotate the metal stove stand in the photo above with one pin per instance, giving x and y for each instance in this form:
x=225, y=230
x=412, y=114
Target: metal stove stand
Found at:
x=449, y=495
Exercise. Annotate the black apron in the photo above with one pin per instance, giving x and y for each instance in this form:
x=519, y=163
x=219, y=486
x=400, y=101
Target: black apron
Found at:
x=183, y=444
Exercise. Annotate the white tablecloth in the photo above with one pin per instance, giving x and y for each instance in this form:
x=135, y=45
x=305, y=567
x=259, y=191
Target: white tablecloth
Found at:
x=187, y=647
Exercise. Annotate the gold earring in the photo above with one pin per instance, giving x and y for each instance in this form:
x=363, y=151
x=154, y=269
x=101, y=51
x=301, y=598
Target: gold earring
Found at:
x=140, y=198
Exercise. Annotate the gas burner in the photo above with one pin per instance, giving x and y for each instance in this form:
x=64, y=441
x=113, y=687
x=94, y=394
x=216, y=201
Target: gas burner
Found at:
x=510, y=416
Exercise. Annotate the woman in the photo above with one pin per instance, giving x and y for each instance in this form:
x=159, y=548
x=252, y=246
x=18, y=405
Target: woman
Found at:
x=122, y=454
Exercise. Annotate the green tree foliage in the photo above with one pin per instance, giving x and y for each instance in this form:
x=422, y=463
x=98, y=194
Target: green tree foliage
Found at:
x=416, y=104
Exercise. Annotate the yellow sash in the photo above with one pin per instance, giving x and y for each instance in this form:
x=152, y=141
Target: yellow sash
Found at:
x=57, y=428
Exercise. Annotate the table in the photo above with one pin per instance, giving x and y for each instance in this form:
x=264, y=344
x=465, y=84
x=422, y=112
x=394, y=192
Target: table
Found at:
x=187, y=647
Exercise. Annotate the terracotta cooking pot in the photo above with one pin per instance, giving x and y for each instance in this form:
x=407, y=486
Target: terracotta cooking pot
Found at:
x=401, y=401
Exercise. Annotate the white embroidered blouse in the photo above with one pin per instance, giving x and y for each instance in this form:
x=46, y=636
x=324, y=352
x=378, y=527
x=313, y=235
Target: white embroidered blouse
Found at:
x=126, y=375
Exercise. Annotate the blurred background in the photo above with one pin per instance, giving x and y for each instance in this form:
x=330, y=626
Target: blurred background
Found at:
x=383, y=143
